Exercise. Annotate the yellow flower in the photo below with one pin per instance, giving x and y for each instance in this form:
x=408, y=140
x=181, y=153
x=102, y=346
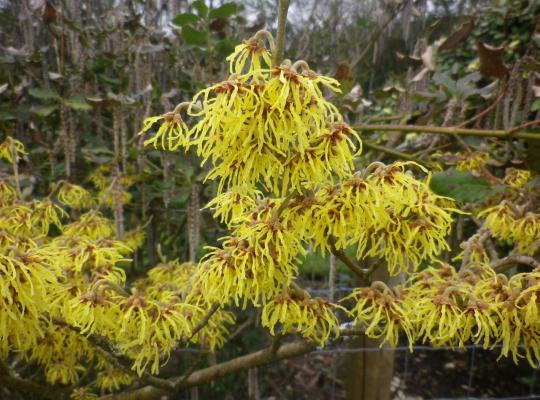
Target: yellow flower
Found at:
x=472, y=162
x=82, y=394
x=516, y=178
x=232, y=204
x=92, y=225
x=344, y=213
x=64, y=371
x=252, y=50
x=313, y=318
x=134, y=239
x=527, y=234
x=171, y=133
x=416, y=223
x=380, y=311
x=23, y=298
x=8, y=195
x=330, y=154
x=500, y=220
x=10, y=149
x=108, y=196
x=75, y=196
x=149, y=330
x=111, y=379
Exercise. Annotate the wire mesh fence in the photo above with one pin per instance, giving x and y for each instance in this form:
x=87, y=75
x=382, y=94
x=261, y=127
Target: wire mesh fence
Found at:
x=467, y=367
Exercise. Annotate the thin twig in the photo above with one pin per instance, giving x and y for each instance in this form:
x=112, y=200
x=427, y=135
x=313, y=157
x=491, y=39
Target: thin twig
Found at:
x=394, y=153
x=503, y=264
x=523, y=126
x=495, y=133
x=345, y=259
x=202, y=323
x=376, y=34
x=192, y=368
x=15, y=166
x=241, y=328
x=483, y=112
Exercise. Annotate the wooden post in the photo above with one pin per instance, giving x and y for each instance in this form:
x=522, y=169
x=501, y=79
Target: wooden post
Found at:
x=367, y=374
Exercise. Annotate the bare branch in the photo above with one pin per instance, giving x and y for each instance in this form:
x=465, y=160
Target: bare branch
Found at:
x=12, y=382
x=202, y=323
x=275, y=352
x=345, y=259
x=502, y=134
x=507, y=262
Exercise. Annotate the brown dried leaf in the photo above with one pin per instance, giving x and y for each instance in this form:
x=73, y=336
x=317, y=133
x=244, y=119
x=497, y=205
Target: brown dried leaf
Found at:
x=491, y=60
x=457, y=37
x=428, y=59
x=411, y=61
x=50, y=15
x=343, y=71
x=421, y=75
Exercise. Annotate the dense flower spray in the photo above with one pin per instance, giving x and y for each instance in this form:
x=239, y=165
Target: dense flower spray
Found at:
x=288, y=182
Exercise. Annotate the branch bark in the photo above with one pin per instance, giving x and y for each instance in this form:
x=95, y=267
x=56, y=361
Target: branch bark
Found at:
x=394, y=153
x=262, y=357
x=507, y=262
x=12, y=382
x=344, y=258
x=502, y=134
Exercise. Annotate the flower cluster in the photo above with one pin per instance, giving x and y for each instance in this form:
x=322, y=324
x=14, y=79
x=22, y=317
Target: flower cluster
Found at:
x=449, y=308
x=296, y=311
x=386, y=214
x=511, y=224
x=253, y=264
x=63, y=284
x=380, y=311
x=266, y=125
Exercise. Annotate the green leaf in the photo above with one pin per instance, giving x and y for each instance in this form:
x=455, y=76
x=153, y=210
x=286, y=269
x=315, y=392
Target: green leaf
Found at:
x=535, y=105
x=462, y=186
x=44, y=94
x=109, y=80
x=78, y=103
x=184, y=19
x=224, y=11
x=193, y=36
x=201, y=8
x=45, y=111
x=224, y=47
x=7, y=116
x=448, y=84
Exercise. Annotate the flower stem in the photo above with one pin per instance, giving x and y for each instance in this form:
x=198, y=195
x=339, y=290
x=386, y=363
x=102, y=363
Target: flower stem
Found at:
x=277, y=52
